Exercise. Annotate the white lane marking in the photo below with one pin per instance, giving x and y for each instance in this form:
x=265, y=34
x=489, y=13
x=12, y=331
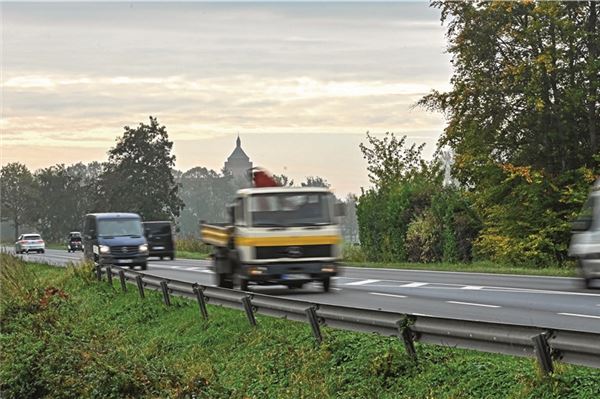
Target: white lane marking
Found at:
x=336, y=289
x=390, y=295
x=580, y=315
x=465, y=273
x=472, y=287
x=195, y=268
x=413, y=285
x=363, y=282
x=474, y=304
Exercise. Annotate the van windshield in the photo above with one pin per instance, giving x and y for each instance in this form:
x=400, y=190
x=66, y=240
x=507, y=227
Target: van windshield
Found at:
x=158, y=229
x=119, y=227
x=290, y=209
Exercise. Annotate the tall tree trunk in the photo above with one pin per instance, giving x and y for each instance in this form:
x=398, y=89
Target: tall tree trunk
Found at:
x=593, y=57
x=16, y=223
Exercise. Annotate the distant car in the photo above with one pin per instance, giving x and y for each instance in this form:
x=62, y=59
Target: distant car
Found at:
x=74, y=242
x=159, y=235
x=29, y=243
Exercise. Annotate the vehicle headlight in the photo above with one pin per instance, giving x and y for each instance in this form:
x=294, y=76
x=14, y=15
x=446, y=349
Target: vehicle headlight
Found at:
x=144, y=248
x=104, y=249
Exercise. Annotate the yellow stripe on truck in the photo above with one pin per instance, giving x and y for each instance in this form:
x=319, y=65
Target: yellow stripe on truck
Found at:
x=214, y=237
x=286, y=241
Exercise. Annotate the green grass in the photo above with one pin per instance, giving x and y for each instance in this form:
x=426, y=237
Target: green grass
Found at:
x=475, y=267
x=192, y=255
x=66, y=335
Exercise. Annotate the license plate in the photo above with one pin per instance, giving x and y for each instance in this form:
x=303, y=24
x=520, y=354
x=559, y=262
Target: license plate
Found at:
x=124, y=260
x=159, y=248
x=295, y=277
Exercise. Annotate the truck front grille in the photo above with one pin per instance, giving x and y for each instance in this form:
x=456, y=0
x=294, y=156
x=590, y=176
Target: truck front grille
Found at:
x=294, y=252
x=123, y=250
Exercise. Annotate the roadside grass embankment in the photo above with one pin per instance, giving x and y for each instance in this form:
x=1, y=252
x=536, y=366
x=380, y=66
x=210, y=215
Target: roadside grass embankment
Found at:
x=66, y=335
x=354, y=257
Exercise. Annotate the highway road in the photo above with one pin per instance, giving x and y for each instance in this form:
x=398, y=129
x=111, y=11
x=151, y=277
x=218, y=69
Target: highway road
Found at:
x=552, y=302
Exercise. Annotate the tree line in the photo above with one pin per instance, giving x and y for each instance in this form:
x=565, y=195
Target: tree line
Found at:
x=139, y=176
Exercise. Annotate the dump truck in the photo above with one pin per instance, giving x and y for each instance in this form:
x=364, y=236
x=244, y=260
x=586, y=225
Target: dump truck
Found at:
x=276, y=235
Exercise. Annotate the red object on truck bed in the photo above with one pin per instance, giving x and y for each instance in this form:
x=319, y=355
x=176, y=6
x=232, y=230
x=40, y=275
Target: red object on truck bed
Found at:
x=262, y=178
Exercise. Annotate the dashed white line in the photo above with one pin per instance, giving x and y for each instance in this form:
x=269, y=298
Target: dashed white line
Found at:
x=413, y=285
x=362, y=282
x=336, y=289
x=580, y=315
x=390, y=295
x=472, y=287
x=474, y=304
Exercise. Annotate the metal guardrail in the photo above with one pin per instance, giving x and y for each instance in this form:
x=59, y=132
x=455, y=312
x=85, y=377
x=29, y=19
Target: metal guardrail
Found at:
x=547, y=345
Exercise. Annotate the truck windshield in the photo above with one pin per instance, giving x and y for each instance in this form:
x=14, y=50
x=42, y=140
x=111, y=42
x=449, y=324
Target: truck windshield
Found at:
x=290, y=209
x=119, y=227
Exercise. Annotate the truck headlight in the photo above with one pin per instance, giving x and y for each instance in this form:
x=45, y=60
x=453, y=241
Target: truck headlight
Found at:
x=144, y=248
x=104, y=249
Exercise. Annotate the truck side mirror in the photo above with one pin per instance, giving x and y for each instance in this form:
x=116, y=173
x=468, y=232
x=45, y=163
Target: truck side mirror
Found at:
x=339, y=209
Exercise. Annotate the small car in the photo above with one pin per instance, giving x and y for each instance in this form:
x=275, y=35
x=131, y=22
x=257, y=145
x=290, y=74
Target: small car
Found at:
x=74, y=242
x=29, y=243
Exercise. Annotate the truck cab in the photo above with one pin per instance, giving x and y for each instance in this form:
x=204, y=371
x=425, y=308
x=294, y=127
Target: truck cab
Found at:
x=277, y=235
x=585, y=239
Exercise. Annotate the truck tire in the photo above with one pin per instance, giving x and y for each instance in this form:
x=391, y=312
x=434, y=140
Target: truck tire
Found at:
x=243, y=284
x=144, y=266
x=326, y=284
x=224, y=280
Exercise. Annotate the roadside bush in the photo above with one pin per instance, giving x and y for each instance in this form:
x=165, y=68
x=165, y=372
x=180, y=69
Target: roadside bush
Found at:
x=423, y=239
x=353, y=253
x=189, y=243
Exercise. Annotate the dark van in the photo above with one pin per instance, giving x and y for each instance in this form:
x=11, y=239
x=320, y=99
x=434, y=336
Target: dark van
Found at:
x=115, y=239
x=160, y=238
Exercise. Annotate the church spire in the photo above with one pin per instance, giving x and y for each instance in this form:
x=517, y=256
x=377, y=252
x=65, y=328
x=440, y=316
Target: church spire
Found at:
x=238, y=142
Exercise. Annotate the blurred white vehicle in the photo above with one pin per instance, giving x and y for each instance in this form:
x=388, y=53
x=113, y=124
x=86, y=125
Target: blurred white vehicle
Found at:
x=585, y=242
x=30, y=243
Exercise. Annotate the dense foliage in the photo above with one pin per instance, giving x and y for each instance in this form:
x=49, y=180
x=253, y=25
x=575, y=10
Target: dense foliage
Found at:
x=523, y=118
x=70, y=337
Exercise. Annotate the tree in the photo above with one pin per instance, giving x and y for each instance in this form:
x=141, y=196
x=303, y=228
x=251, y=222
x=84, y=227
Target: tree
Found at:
x=138, y=176
x=205, y=194
x=389, y=160
x=525, y=87
x=61, y=202
x=283, y=180
x=523, y=117
x=315, y=181
x=18, y=193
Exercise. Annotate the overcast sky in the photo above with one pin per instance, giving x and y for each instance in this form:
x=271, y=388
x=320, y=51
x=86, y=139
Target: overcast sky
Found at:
x=300, y=82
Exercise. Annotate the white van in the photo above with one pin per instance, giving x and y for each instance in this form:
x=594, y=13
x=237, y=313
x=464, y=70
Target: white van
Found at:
x=585, y=242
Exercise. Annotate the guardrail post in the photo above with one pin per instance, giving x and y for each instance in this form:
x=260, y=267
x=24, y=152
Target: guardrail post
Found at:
x=407, y=336
x=140, y=285
x=123, y=281
x=165, y=291
x=201, y=301
x=109, y=275
x=542, y=351
x=313, y=319
x=99, y=272
x=246, y=301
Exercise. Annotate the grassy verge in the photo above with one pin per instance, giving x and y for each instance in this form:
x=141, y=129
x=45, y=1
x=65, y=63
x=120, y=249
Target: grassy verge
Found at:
x=70, y=336
x=192, y=255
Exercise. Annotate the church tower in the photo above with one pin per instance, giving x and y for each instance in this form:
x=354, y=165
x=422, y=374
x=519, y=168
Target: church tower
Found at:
x=238, y=162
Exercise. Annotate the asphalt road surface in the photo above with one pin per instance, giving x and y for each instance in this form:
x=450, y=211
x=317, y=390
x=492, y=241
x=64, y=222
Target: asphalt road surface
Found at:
x=552, y=302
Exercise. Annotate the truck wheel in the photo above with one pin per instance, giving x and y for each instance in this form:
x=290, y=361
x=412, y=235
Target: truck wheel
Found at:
x=243, y=284
x=326, y=284
x=224, y=280
x=144, y=266
x=172, y=256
